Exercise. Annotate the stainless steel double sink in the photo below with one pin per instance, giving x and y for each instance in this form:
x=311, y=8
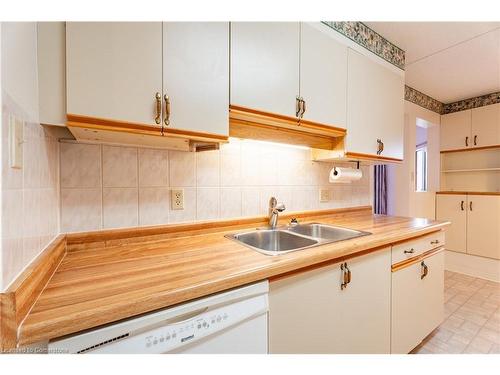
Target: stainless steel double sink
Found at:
x=283, y=240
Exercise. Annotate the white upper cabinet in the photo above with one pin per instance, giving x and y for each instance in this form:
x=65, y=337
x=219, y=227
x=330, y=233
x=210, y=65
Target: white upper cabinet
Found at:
x=456, y=130
x=375, y=107
x=323, y=76
x=114, y=70
x=486, y=126
x=265, y=66
x=196, y=75
x=51, y=51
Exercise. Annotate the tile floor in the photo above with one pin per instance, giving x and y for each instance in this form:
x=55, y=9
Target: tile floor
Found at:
x=472, y=318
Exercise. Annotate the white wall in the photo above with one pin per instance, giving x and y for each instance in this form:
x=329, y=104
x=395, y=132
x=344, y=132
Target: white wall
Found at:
x=402, y=198
x=30, y=195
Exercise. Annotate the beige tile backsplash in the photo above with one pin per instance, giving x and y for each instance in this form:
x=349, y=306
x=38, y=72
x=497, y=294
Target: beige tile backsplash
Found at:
x=30, y=195
x=113, y=187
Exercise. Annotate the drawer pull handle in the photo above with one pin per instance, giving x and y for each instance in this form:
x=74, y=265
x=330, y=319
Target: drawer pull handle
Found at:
x=462, y=205
x=411, y=251
x=475, y=140
x=470, y=205
x=466, y=141
x=425, y=270
x=346, y=276
x=435, y=242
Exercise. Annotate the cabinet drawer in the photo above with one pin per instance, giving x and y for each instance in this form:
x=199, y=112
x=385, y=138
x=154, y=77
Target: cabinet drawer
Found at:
x=417, y=246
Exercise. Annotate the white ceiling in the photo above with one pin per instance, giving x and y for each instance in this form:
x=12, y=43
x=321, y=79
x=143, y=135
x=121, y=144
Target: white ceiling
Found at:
x=448, y=61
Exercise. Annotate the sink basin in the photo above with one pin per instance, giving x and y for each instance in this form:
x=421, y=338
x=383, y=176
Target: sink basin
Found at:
x=301, y=236
x=326, y=232
x=271, y=241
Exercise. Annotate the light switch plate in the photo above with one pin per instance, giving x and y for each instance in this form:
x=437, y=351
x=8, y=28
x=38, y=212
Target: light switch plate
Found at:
x=325, y=195
x=16, y=128
x=177, y=199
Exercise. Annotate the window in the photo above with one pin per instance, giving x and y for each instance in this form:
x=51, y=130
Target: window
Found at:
x=421, y=168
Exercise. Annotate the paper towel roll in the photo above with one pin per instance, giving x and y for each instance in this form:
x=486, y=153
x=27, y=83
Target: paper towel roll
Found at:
x=344, y=175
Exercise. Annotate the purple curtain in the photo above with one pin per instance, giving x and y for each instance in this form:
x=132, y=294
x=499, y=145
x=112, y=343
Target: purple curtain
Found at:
x=380, y=190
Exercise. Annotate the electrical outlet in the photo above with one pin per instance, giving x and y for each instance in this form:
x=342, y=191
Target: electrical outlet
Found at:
x=325, y=195
x=177, y=199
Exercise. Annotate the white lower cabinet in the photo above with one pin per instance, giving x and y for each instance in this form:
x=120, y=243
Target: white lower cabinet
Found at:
x=475, y=223
x=309, y=312
x=417, y=302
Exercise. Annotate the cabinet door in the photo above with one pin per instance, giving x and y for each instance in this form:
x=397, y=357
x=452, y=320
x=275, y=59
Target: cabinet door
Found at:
x=196, y=75
x=310, y=313
x=114, y=69
x=323, y=76
x=51, y=52
x=432, y=286
x=456, y=130
x=453, y=208
x=486, y=125
x=375, y=107
x=483, y=226
x=417, y=302
x=305, y=312
x=366, y=306
x=407, y=307
x=265, y=66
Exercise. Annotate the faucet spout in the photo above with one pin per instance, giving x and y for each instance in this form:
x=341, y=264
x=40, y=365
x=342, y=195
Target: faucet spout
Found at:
x=274, y=209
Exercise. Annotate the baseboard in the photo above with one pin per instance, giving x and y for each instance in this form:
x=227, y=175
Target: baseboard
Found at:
x=484, y=268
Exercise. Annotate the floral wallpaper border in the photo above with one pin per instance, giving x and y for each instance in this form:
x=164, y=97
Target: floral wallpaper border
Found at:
x=361, y=34
x=478, y=101
x=423, y=100
x=434, y=105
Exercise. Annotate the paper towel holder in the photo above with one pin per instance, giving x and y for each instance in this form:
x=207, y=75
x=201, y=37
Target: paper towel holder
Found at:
x=335, y=168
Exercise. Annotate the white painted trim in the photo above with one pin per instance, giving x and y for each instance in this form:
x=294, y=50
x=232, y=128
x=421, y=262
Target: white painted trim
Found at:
x=484, y=268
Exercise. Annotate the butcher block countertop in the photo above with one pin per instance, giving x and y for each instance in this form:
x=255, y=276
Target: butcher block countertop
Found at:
x=107, y=280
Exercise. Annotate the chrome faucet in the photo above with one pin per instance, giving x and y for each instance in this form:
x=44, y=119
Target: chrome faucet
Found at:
x=274, y=209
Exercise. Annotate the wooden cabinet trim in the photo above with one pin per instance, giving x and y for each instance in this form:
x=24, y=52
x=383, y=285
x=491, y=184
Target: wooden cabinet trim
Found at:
x=253, y=116
x=468, y=192
x=82, y=121
x=470, y=149
x=406, y=263
x=373, y=157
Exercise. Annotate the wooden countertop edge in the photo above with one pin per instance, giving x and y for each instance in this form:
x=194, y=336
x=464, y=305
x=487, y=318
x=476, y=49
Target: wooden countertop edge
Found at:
x=452, y=192
x=31, y=333
x=21, y=295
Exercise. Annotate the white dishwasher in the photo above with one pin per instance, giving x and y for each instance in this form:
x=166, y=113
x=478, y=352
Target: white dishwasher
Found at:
x=229, y=322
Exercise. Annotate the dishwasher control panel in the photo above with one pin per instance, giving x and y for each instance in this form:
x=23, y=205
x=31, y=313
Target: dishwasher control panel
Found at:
x=182, y=333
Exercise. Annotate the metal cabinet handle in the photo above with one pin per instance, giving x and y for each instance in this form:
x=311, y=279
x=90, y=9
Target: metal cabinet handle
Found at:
x=167, y=110
x=346, y=276
x=411, y=251
x=158, y=108
x=297, y=106
x=470, y=205
x=462, y=205
x=475, y=140
x=435, y=242
x=467, y=141
x=380, y=146
x=425, y=270
x=303, y=107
